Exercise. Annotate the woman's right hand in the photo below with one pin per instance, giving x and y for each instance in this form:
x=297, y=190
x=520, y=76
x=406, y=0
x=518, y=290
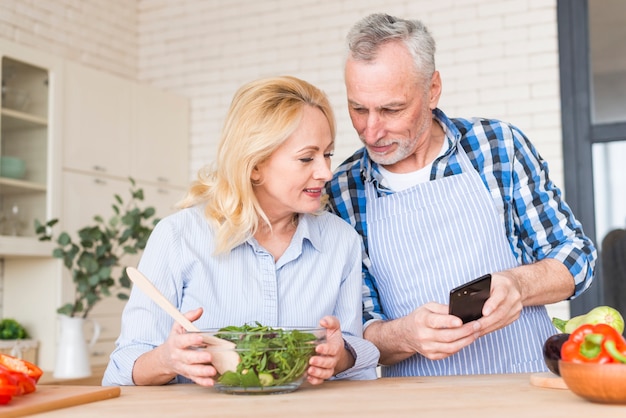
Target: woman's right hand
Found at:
x=174, y=357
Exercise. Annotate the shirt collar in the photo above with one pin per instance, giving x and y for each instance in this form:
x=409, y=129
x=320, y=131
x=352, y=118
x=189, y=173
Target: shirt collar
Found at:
x=304, y=231
x=453, y=135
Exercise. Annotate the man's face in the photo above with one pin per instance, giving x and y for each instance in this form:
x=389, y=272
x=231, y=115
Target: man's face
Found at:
x=389, y=106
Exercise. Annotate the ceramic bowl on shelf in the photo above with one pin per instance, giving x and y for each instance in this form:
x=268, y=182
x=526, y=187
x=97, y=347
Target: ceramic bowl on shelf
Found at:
x=601, y=383
x=14, y=98
x=12, y=167
x=271, y=360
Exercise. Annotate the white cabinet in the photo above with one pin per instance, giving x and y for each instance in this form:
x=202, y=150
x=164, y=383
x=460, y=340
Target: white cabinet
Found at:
x=31, y=132
x=161, y=123
x=82, y=135
x=27, y=139
x=163, y=198
x=97, y=121
x=120, y=128
x=116, y=129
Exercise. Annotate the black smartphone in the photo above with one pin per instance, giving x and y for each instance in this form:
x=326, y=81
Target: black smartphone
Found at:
x=467, y=300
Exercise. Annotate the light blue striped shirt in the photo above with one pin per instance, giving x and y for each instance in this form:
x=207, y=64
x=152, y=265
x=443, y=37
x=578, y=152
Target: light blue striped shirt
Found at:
x=319, y=274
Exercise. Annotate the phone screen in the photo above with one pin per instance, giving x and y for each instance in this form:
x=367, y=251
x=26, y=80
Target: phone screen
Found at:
x=467, y=300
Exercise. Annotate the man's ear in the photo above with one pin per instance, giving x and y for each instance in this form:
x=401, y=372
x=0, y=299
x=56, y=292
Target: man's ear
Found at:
x=435, y=90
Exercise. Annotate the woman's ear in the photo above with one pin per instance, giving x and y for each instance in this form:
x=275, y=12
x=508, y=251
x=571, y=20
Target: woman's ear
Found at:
x=255, y=176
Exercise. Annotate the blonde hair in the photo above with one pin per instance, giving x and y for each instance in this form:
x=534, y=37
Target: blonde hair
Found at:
x=262, y=116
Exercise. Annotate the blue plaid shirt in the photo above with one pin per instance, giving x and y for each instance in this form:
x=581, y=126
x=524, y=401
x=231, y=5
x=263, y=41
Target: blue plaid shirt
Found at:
x=538, y=223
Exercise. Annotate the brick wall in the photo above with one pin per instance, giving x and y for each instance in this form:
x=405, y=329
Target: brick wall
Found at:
x=99, y=33
x=498, y=58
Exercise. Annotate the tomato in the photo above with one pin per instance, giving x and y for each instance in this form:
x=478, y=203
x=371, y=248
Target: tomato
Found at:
x=15, y=364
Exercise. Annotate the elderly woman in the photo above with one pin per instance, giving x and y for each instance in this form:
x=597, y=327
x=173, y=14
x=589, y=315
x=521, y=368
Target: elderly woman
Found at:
x=253, y=244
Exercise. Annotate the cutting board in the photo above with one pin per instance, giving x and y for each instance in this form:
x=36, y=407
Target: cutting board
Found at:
x=49, y=397
x=547, y=380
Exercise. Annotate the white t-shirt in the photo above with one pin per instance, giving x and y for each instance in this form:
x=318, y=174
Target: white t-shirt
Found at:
x=401, y=181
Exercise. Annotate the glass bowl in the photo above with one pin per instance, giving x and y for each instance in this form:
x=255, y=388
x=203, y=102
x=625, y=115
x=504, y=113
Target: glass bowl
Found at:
x=270, y=360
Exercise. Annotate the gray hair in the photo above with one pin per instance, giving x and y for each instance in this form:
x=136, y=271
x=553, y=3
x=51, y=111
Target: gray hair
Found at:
x=373, y=31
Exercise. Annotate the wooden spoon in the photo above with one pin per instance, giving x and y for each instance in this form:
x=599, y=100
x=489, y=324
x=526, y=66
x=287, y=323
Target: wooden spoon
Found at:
x=224, y=358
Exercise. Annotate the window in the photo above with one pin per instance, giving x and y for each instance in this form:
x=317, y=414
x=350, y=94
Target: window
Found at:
x=593, y=97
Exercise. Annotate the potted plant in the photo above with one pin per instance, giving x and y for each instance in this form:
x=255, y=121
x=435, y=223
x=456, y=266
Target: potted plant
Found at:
x=93, y=258
x=15, y=341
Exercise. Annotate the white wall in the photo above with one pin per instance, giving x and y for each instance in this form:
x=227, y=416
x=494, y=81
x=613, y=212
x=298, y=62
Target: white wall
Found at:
x=100, y=33
x=498, y=58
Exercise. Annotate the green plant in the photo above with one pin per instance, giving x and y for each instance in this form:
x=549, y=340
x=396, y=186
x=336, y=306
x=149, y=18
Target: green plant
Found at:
x=92, y=259
x=10, y=329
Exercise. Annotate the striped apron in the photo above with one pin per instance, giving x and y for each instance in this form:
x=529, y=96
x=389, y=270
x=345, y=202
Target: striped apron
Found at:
x=432, y=237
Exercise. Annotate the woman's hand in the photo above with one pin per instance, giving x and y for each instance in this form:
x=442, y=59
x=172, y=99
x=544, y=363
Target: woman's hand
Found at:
x=174, y=357
x=332, y=356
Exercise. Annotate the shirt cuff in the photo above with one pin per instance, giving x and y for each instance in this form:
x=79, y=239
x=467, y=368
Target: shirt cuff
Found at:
x=366, y=357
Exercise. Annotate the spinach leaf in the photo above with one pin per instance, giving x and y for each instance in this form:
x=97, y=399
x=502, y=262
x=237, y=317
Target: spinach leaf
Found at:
x=269, y=356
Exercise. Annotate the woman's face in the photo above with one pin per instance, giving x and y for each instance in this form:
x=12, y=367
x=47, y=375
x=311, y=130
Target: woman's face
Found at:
x=292, y=179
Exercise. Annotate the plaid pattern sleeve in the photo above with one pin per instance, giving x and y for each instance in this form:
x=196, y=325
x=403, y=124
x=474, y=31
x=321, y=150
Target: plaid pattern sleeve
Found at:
x=347, y=199
x=547, y=224
x=538, y=222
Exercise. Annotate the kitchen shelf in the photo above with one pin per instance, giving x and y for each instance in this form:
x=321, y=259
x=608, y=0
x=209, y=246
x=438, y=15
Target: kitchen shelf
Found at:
x=13, y=187
x=14, y=119
x=25, y=247
x=25, y=135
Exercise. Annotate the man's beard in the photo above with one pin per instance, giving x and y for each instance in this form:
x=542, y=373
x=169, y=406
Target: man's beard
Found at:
x=404, y=148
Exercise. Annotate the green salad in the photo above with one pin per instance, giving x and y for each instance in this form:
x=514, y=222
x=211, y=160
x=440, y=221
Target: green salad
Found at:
x=269, y=356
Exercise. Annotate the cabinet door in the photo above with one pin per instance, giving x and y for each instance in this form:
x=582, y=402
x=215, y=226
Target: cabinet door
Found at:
x=161, y=137
x=108, y=315
x=162, y=198
x=29, y=168
x=85, y=196
x=97, y=121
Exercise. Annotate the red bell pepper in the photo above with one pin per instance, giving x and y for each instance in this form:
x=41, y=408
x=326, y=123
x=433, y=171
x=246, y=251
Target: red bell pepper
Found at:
x=598, y=343
x=8, y=387
x=24, y=383
x=17, y=377
x=18, y=365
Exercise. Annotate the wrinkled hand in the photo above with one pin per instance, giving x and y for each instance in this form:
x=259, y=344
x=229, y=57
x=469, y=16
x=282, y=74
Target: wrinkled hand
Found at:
x=504, y=304
x=323, y=365
x=176, y=355
x=435, y=334
x=432, y=332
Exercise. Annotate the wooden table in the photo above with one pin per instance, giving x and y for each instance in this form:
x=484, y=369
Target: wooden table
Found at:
x=452, y=396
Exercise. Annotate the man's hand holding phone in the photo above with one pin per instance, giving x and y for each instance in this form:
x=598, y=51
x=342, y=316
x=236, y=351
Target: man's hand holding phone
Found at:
x=467, y=300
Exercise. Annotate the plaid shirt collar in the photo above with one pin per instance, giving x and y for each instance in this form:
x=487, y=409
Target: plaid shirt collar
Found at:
x=370, y=171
